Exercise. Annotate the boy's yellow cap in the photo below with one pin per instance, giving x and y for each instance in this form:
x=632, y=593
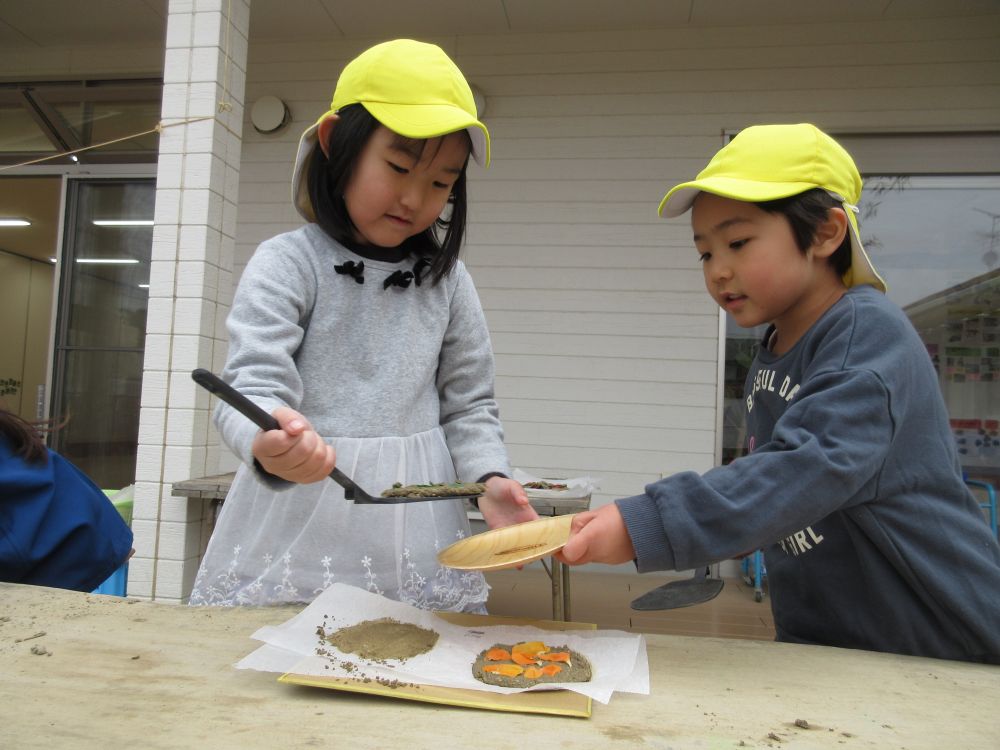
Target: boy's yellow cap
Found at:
x=413, y=88
x=767, y=162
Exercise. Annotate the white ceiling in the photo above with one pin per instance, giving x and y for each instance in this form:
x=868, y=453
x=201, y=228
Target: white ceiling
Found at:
x=37, y=24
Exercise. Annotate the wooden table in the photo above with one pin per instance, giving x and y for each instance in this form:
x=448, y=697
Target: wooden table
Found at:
x=216, y=487
x=84, y=671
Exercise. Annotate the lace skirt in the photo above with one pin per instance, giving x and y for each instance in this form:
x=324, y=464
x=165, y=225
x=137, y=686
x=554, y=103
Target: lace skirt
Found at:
x=273, y=547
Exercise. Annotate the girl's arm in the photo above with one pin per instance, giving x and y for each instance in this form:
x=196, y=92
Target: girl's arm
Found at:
x=275, y=295
x=469, y=413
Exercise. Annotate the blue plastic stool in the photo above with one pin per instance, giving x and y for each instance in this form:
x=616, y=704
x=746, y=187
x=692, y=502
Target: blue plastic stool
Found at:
x=117, y=583
x=991, y=500
x=759, y=572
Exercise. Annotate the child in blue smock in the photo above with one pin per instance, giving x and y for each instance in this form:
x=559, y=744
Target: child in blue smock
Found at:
x=57, y=528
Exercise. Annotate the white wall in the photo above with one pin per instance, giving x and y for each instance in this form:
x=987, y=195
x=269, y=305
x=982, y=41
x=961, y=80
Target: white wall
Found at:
x=606, y=342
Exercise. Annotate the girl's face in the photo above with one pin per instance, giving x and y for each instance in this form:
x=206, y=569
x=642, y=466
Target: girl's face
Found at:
x=755, y=271
x=397, y=190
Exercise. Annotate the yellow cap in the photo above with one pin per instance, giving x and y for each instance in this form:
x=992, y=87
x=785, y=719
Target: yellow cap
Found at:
x=412, y=88
x=767, y=162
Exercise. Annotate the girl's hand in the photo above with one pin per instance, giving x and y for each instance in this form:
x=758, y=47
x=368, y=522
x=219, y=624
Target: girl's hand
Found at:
x=296, y=452
x=505, y=503
x=598, y=536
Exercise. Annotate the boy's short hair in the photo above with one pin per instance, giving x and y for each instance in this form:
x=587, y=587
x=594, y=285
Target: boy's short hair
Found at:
x=771, y=162
x=804, y=213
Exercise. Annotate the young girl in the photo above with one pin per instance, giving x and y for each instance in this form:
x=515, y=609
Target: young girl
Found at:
x=362, y=333
x=852, y=484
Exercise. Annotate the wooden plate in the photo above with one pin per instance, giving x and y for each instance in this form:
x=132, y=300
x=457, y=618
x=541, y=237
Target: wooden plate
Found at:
x=510, y=546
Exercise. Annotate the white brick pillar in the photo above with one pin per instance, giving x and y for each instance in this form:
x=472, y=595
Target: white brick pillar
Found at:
x=190, y=284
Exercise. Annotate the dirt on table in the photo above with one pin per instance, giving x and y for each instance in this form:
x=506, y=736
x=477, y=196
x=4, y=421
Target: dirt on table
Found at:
x=381, y=640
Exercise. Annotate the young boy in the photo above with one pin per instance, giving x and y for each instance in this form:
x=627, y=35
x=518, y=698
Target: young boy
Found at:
x=852, y=482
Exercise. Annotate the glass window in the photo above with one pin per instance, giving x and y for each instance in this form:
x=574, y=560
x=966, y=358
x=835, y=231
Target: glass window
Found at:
x=20, y=133
x=46, y=119
x=936, y=242
x=100, y=336
x=101, y=122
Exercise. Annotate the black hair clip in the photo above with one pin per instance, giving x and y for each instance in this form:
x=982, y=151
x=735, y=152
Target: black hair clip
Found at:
x=350, y=268
x=419, y=268
x=401, y=279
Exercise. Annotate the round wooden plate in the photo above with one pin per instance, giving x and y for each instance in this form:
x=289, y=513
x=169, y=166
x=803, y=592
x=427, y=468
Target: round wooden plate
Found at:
x=509, y=546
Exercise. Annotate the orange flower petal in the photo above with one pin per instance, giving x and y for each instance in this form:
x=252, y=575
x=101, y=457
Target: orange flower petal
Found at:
x=523, y=658
x=529, y=648
x=507, y=670
x=551, y=669
x=533, y=673
x=498, y=654
x=562, y=656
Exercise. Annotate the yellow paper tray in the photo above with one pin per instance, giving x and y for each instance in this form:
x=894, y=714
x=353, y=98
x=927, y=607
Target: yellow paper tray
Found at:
x=554, y=702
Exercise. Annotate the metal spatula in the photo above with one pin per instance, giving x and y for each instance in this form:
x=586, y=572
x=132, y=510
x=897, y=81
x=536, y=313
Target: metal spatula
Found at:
x=265, y=421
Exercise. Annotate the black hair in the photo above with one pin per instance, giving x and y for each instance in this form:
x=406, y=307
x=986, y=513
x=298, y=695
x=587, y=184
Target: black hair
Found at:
x=328, y=179
x=25, y=438
x=805, y=212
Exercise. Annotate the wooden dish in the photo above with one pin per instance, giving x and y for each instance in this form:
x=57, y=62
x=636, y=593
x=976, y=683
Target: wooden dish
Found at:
x=509, y=546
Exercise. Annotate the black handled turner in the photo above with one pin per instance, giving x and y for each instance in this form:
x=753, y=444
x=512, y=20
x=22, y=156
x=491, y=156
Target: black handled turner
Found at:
x=218, y=387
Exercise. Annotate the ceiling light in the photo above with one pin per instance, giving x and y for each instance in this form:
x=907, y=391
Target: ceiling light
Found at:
x=52, y=260
x=8, y=221
x=144, y=286
x=110, y=261
x=123, y=222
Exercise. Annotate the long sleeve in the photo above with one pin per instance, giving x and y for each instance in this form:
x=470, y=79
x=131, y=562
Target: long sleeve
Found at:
x=821, y=458
x=469, y=412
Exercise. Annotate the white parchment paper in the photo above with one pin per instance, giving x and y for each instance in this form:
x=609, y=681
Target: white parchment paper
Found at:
x=618, y=658
x=575, y=486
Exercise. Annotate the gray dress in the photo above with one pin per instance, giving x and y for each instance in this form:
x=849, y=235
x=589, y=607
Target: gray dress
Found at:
x=399, y=380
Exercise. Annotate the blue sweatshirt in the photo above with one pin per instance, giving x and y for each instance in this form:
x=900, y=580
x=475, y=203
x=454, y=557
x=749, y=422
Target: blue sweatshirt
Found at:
x=853, y=488
x=57, y=528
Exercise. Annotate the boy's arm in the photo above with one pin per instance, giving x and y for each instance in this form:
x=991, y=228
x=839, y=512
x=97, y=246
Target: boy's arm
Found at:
x=826, y=453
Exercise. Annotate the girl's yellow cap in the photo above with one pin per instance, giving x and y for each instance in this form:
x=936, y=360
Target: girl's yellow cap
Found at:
x=413, y=88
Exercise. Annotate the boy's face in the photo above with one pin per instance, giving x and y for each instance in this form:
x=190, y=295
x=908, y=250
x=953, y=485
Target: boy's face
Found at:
x=400, y=186
x=753, y=268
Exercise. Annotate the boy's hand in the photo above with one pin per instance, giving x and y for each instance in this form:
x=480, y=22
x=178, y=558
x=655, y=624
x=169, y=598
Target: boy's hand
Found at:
x=598, y=536
x=296, y=452
x=505, y=503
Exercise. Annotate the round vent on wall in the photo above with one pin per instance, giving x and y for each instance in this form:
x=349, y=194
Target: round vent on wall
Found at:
x=269, y=114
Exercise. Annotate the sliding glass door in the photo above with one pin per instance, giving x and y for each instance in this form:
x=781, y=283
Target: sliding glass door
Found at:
x=101, y=326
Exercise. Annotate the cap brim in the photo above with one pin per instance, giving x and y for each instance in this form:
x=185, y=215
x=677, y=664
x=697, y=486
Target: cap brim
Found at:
x=300, y=174
x=681, y=197
x=862, y=270
x=433, y=121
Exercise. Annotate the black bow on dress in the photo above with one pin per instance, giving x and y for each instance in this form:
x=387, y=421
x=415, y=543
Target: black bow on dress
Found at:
x=350, y=268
